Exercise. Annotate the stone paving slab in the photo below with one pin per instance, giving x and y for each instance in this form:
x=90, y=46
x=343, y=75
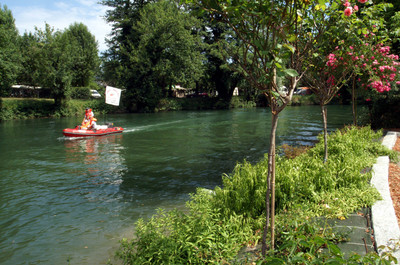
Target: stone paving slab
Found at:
x=385, y=225
x=357, y=229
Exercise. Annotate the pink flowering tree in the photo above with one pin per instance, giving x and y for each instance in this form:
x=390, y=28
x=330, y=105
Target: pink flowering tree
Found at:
x=326, y=74
x=346, y=53
x=375, y=68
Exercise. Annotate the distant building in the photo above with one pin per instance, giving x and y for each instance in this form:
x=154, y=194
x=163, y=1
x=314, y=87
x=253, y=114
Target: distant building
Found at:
x=23, y=91
x=178, y=91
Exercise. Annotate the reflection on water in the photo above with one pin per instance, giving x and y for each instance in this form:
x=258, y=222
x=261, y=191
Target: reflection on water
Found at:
x=71, y=200
x=101, y=155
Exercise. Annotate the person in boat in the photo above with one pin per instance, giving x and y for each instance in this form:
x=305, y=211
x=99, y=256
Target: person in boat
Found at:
x=89, y=121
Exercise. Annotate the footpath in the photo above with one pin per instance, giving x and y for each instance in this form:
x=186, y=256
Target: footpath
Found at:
x=374, y=229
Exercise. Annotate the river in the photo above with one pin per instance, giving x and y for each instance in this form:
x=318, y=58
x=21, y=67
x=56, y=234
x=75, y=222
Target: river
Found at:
x=70, y=201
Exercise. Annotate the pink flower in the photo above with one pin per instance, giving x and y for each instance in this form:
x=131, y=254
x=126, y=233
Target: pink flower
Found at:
x=356, y=8
x=362, y=1
x=346, y=4
x=331, y=81
x=348, y=11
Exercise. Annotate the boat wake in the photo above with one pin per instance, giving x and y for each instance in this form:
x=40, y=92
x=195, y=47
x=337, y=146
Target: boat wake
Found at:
x=66, y=138
x=130, y=130
x=150, y=127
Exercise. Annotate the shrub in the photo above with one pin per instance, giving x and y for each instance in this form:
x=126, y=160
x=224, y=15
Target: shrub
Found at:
x=80, y=93
x=306, y=179
x=221, y=222
x=199, y=237
x=18, y=108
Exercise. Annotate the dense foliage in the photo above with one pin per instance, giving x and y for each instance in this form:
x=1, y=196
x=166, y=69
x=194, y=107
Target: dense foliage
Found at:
x=9, y=55
x=219, y=223
x=153, y=47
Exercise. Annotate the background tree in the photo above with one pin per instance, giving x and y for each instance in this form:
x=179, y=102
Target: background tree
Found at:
x=30, y=51
x=85, y=56
x=55, y=56
x=220, y=79
x=10, y=59
x=122, y=15
x=330, y=66
x=162, y=48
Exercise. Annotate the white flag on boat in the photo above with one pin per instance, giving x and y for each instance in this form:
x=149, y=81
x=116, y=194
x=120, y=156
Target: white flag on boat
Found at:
x=113, y=95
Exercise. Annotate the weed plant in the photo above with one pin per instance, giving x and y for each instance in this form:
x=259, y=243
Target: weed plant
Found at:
x=221, y=222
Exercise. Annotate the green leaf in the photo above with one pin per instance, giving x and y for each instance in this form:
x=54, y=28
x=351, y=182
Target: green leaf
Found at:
x=290, y=47
x=334, y=249
x=291, y=72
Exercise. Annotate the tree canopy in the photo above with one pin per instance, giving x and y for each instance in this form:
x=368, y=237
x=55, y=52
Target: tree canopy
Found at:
x=9, y=56
x=153, y=46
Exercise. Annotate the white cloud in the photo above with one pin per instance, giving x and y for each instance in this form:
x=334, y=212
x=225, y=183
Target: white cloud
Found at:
x=62, y=14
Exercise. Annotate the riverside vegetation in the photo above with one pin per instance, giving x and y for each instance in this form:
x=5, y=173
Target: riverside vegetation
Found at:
x=26, y=108
x=218, y=224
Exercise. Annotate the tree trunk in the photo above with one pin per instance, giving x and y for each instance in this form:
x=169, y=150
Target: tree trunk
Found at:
x=325, y=121
x=270, y=203
x=354, y=102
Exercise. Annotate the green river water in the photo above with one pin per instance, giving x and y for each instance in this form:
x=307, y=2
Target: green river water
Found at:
x=70, y=201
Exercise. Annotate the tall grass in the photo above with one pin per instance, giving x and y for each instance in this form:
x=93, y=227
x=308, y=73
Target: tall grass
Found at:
x=220, y=222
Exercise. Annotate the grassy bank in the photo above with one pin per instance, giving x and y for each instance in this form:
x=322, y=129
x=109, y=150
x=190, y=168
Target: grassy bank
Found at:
x=220, y=223
x=23, y=108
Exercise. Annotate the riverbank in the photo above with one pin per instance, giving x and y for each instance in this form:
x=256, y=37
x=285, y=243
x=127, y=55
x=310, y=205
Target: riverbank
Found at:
x=28, y=108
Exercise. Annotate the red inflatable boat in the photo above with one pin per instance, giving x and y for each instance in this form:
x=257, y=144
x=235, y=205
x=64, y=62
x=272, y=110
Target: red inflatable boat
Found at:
x=77, y=132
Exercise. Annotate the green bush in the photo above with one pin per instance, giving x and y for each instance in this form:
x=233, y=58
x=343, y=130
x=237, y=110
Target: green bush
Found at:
x=219, y=223
x=298, y=100
x=201, y=236
x=239, y=102
x=80, y=93
x=168, y=104
x=19, y=108
x=306, y=179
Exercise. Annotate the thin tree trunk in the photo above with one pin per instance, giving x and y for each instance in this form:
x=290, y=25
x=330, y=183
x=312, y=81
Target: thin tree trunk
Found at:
x=325, y=121
x=273, y=136
x=354, y=102
x=270, y=202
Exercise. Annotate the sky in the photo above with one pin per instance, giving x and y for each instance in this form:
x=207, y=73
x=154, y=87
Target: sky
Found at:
x=59, y=14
